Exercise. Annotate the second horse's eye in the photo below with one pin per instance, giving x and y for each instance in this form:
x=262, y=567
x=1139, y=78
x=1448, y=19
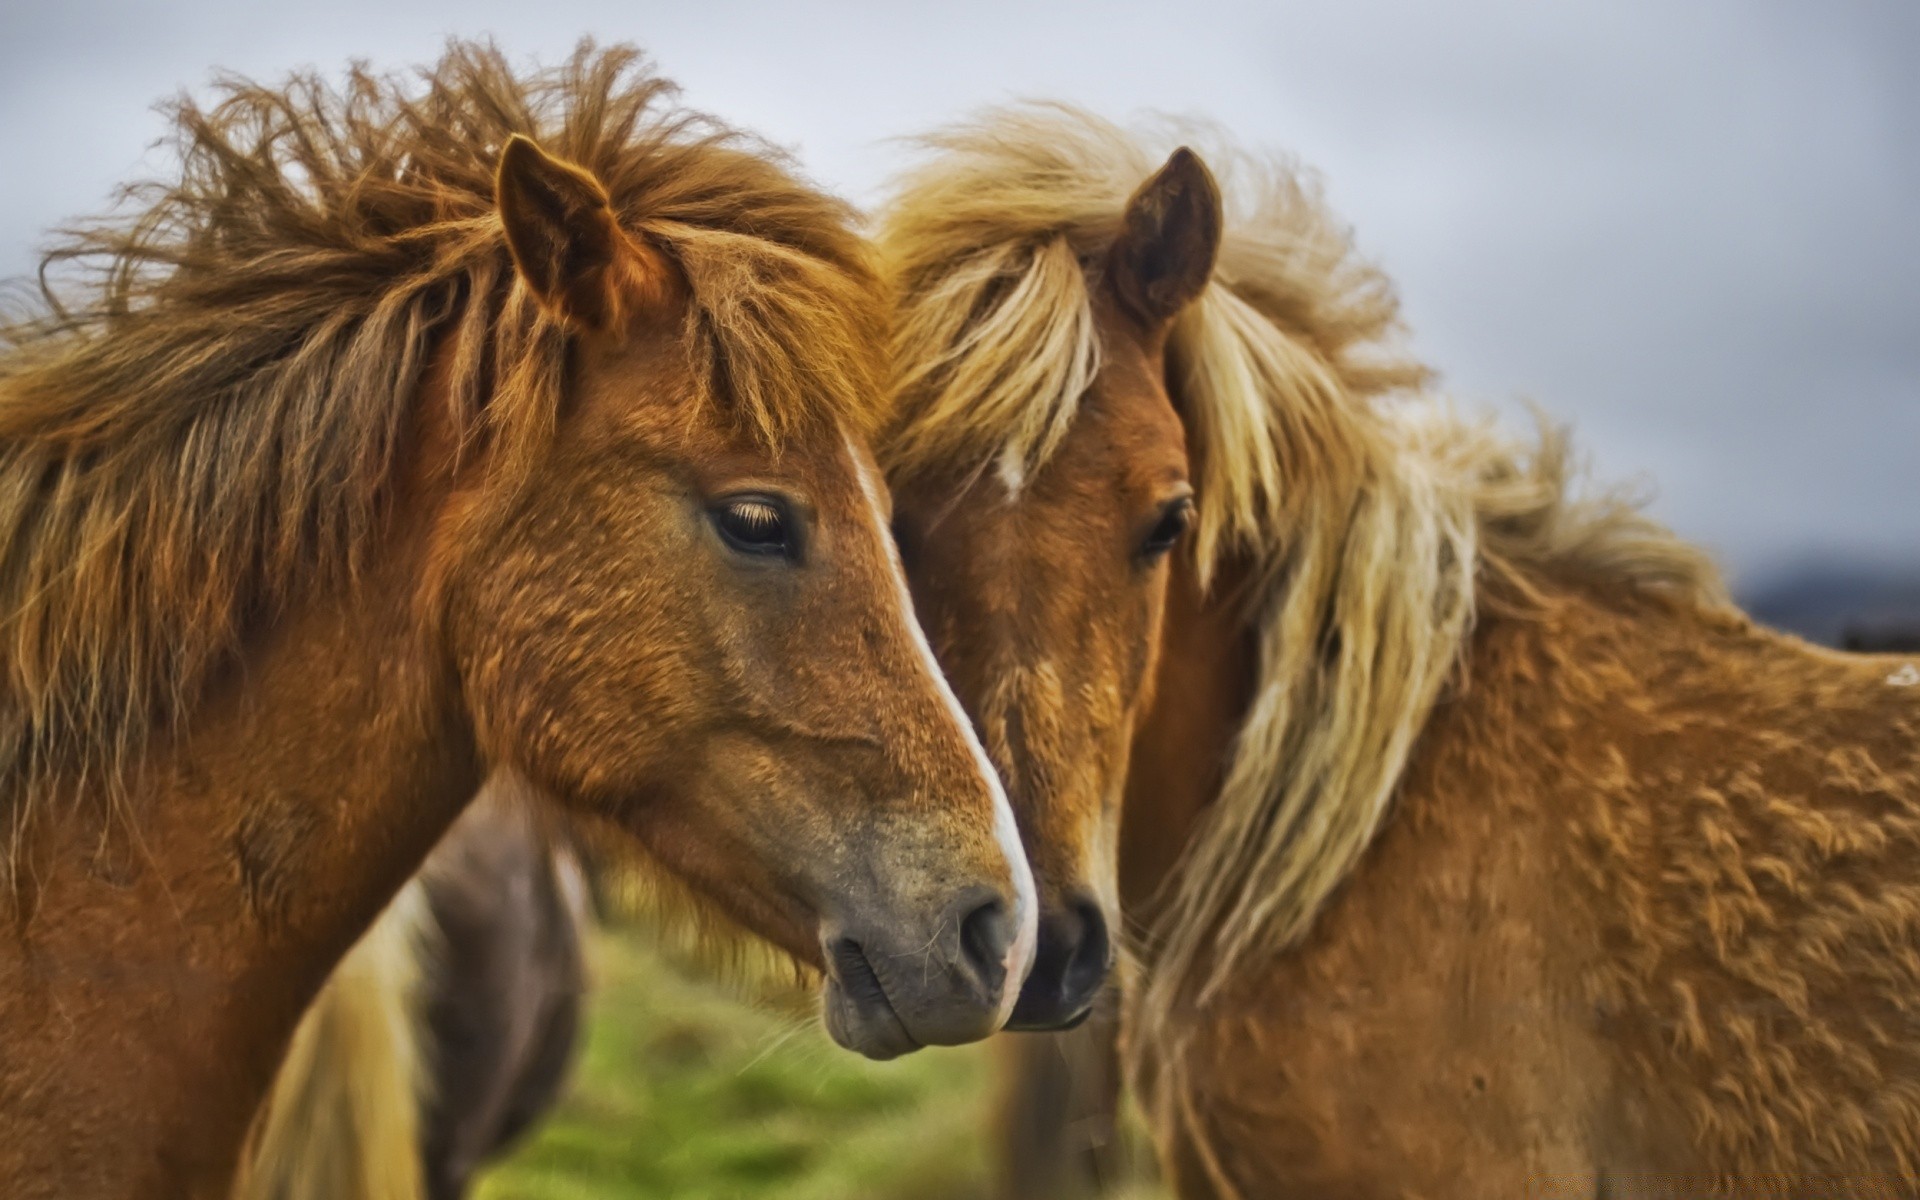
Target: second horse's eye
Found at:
x=755, y=525
x=1172, y=525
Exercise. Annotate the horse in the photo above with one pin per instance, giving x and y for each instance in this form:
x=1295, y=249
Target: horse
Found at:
x=511, y=907
x=446, y=1030
x=418, y=429
x=1470, y=841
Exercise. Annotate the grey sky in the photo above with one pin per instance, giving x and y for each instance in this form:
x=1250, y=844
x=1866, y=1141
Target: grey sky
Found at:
x=1691, y=229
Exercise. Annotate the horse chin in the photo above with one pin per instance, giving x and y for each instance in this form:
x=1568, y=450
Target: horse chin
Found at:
x=863, y=1020
x=1025, y=1023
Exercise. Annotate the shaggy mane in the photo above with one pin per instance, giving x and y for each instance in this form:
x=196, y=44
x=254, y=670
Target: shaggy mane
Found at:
x=1375, y=520
x=201, y=417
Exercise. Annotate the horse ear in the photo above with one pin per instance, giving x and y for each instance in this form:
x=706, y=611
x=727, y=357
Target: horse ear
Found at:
x=1168, y=240
x=561, y=229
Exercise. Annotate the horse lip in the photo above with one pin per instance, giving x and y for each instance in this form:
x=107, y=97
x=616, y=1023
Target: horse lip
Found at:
x=1025, y=1019
x=1016, y=1025
x=863, y=994
x=1076, y=1020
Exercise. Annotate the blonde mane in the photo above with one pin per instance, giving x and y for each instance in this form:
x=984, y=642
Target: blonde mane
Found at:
x=1373, y=519
x=202, y=419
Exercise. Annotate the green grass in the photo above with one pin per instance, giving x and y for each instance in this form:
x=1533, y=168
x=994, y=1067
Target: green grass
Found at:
x=694, y=1089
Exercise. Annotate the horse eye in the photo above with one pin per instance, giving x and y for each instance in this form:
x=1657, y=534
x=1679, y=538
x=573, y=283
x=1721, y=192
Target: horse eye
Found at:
x=754, y=525
x=1173, y=523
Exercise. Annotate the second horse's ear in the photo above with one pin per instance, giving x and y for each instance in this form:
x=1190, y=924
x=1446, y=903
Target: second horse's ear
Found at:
x=561, y=229
x=1168, y=240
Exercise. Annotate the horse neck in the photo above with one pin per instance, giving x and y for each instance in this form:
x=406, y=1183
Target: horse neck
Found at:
x=166, y=955
x=1203, y=685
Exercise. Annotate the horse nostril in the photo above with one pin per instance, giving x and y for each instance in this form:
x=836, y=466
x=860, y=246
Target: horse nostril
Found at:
x=1087, y=968
x=987, y=932
x=1069, y=968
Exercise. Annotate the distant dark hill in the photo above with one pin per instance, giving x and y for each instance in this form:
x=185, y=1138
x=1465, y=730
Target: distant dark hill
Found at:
x=1868, y=607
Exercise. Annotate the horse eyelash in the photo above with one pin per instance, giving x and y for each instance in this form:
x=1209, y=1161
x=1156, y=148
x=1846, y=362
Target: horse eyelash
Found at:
x=758, y=513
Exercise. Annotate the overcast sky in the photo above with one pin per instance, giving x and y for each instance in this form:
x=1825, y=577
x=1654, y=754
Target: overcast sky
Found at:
x=1690, y=229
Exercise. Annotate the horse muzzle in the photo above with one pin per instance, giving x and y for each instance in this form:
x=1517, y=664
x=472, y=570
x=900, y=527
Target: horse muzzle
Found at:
x=1070, y=966
x=891, y=990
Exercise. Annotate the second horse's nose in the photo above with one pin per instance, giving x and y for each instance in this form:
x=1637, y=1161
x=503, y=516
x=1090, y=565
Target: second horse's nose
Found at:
x=1069, y=967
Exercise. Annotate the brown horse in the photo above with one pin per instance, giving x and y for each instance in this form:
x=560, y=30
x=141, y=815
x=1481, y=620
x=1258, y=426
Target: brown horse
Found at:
x=446, y=1030
x=385, y=450
x=1475, y=846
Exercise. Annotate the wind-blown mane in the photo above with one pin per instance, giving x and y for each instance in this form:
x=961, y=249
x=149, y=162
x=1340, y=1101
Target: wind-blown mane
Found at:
x=1372, y=519
x=203, y=418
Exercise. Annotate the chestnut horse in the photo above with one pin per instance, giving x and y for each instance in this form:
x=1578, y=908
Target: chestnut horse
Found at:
x=447, y=1030
x=1473, y=843
x=382, y=451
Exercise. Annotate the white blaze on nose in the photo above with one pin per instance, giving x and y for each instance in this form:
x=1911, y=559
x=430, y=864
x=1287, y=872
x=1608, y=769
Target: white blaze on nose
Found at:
x=1026, y=900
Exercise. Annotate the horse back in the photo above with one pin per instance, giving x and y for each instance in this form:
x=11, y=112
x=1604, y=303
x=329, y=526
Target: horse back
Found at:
x=1743, y=861
x=1645, y=921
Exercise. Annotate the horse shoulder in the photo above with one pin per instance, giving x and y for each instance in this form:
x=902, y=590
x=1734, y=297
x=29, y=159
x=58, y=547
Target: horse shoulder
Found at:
x=1423, y=1038
x=1745, y=837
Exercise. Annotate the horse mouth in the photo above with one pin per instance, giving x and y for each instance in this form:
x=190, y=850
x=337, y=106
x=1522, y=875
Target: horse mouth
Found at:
x=1029, y=1022
x=858, y=1013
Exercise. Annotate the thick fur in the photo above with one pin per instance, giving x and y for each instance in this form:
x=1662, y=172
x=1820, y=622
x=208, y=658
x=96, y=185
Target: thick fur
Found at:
x=204, y=420
x=315, y=511
x=1328, y=491
x=1643, y=924
x=1528, y=862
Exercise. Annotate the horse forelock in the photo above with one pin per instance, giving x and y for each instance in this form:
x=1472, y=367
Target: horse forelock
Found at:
x=1372, y=518
x=202, y=417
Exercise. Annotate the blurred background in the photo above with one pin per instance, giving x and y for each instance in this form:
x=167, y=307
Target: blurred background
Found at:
x=1691, y=231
